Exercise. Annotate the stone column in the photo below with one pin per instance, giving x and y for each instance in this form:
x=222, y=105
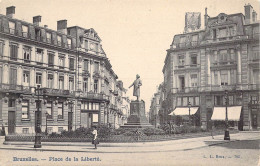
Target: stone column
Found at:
x=66, y=81
x=55, y=80
x=33, y=55
x=239, y=71
x=45, y=57
x=32, y=77
x=208, y=54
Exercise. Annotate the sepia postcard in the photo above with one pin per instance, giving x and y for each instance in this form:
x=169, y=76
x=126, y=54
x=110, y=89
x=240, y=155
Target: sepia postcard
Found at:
x=133, y=82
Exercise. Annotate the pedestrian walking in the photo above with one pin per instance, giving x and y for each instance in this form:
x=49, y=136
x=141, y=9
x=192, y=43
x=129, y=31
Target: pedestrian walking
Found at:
x=95, y=137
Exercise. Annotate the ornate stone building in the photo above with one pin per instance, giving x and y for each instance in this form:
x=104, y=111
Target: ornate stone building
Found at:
x=78, y=87
x=204, y=68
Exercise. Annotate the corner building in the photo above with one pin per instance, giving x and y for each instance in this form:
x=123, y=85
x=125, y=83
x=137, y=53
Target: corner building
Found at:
x=76, y=80
x=202, y=64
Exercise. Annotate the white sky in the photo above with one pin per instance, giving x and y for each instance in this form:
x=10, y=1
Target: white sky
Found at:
x=135, y=33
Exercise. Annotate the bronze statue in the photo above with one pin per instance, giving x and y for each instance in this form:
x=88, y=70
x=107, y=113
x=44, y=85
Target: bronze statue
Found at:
x=137, y=83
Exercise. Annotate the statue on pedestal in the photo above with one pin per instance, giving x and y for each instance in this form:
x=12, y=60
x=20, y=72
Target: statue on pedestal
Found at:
x=137, y=83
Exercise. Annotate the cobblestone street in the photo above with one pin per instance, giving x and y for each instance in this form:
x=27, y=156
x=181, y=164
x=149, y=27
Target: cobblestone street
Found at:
x=243, y=149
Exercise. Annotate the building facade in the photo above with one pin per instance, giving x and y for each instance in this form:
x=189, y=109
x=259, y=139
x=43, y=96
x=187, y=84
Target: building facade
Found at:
x=78, y=87
x=204, y=64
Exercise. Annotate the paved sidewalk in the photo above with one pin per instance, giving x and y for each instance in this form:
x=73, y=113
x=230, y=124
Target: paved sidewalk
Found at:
x=146, y=147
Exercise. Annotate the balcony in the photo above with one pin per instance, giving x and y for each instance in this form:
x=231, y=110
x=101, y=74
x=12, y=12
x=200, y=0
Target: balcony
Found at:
x=93, y=96
x=57, y=92
x=15, y=88
x=223, y=63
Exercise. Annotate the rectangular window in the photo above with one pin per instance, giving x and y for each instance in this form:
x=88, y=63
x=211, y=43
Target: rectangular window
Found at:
x=224, y=77
x=51, y=59
x=214, y=31
x=181, y=61
x=61, y=82
x=11, y=103
x=191, y=101
x=13, y=76
x=38, y=78
x=256, y=77
x=218, y=100
x=256, y=53
x=230, y=100
x=194, y=80
x=194, y=40
x=61, y=62
x=96, y=67
x=1, y=49
x=26, y=78
x=85, y=85
x=179, y=101
x=27, y=54
x=49, y=130
x=11, y=27
x=60, y=110
x=39, y=56
x=233, y=77
x=86, y=65
x=232, y=55
x=185, y=101
x=71, y=83
x=193, y=60
x=95, y=106
x=25, y=131
x=50, y=80
x=71, y=62
x=254, y=99
x=215, y=81
x=232, y=31
x=182, y=83
x=223, y=56
x=48, y=37
x=59, y=40
x=49, y=110
x=95, y=118
x=69, y=43
x=25, y=109
x=222, y=32
x=13, y=52
x=182, y=40
x=38, y=34
x=25, y=31
x=197, y=100
x=95, y=86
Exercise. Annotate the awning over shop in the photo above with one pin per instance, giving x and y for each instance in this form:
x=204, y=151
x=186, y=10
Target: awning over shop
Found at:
x=184, y=111
x=219, y=113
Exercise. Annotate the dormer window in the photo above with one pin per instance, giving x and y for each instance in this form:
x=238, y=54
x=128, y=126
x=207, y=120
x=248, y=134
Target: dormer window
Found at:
x=25, y=31
x=86, y=45
x=11, y=27
x=69, y=43
x=222, y=32
x=182, y=41
x=59, y=40
x=48, y=36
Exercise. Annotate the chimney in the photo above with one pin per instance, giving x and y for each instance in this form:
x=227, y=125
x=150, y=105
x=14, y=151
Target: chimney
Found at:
x=248, y=13
x=62, y=26
x=206, y=17
x=37, y=20
x=45, y=26
x=254, y=15
x=10, y=11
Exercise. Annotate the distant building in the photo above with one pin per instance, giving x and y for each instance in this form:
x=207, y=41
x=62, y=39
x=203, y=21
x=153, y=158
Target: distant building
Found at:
x=204, y=63
x=78, y=86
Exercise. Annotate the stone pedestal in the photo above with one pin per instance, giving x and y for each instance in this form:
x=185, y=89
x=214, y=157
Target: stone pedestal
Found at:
x=137, y=118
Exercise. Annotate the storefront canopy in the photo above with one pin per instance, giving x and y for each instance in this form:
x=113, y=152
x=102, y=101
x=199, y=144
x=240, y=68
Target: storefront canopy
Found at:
x=184, y=111
x=219, y=113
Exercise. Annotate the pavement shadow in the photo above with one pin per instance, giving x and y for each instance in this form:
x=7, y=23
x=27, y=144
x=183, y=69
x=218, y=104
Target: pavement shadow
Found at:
x=243, y=144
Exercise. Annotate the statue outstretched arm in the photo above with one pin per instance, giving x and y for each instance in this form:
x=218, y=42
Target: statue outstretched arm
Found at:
x=131, y=85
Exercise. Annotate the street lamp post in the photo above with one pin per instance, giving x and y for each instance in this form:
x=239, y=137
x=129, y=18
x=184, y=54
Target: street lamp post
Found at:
x=226, y=137
x=189, y=105
x=37, y=143
x=46, y=130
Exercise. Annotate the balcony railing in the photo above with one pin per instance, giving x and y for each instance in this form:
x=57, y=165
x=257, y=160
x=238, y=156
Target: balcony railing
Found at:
x=16, y=88
x=226, y=62
x=92, y=95
x=59, y=92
